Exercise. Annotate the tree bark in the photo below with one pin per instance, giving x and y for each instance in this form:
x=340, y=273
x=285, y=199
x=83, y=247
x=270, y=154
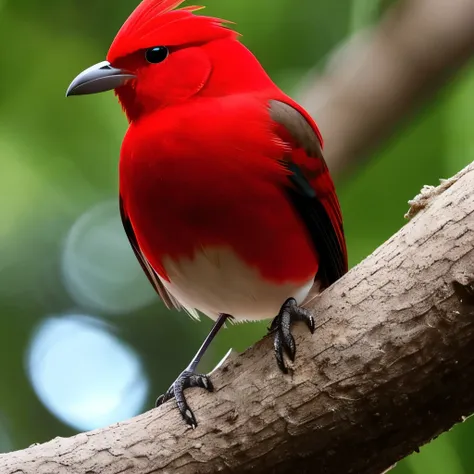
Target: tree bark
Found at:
x=389, y=367
x=384, y=73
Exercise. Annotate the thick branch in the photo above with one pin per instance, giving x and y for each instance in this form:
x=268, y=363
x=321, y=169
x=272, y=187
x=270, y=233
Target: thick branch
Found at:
x=383, y=74
x=389, y=367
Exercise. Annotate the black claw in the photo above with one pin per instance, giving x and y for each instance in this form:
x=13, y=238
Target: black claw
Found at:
x=304, y=315
x=160, y=400
x=187, y=379
x=281, y=327
x=278, y=347
x=287, y=338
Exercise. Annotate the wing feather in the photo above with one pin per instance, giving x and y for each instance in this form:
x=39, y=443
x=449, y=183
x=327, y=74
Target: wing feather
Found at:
x=313, y=193
x=168, y=299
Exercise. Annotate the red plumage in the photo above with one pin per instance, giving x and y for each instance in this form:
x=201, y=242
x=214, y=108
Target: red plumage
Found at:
x=202, y=164
x=224, y=191
x=153, y=19
x=225, y=184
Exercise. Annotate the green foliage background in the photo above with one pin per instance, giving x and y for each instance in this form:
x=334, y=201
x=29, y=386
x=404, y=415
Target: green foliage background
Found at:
x=58, y=158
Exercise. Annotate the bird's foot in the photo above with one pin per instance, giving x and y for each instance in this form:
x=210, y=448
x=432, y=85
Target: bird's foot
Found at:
x=186, y=379
x=281, y=327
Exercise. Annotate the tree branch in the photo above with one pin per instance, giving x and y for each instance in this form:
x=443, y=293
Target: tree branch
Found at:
x=382, y=74
x=389, y=367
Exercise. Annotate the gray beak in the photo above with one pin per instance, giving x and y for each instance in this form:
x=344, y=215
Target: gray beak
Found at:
x=98, y=78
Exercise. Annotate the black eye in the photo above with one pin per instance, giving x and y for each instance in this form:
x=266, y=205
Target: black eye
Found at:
x=157, y=54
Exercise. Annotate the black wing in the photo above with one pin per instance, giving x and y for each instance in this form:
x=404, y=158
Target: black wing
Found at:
x=313, y=194
x=168, y=299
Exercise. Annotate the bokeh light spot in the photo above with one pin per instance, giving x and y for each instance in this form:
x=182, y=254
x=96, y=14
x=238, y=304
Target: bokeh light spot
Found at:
x=83, y=374
x=99, y=268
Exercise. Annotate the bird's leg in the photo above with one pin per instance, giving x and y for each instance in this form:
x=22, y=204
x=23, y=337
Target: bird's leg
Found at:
x=189, y=378
x=281, y=328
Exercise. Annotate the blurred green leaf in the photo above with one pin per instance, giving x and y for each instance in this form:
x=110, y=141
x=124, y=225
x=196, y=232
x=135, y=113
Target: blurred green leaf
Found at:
x=438, y=457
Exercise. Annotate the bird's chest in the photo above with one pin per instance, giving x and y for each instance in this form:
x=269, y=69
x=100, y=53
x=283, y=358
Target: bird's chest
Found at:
x=177, y=203
x=184, y=193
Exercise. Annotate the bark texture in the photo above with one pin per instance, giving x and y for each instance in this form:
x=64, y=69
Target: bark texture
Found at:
x=389, y=367
x=384, y=73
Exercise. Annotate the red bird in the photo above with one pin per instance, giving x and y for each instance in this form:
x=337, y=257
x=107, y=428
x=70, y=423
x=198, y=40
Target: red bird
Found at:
x=224, y=192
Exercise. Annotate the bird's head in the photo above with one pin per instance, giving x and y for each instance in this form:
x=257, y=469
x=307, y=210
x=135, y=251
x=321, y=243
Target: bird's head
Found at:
x=163, y=56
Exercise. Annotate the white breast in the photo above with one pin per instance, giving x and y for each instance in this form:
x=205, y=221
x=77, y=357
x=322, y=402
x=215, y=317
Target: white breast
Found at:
x=216, y=281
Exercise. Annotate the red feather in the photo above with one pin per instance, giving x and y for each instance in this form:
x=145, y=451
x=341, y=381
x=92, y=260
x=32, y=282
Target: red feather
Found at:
x=222, y=185
x=203, y=162
x=155, y=23
x=316, y=171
